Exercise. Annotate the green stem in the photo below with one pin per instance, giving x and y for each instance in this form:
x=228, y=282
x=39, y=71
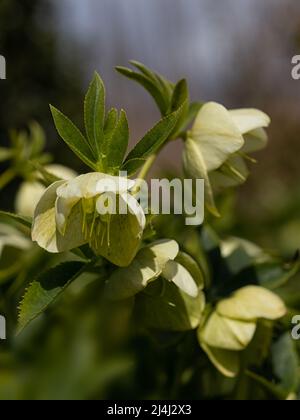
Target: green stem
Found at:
x=147, y=167
x=144, y=172
x=6, y=178
x=150, y=162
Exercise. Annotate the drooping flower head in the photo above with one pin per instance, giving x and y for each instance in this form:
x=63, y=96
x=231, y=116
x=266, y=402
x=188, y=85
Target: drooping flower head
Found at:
x=153, y=261
x=218, y=143
x=95, y=209
x=230, y=328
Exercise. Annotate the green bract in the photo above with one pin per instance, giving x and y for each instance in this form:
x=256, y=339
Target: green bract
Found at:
x=231, y=327
x=77, y=212
x=217, y=143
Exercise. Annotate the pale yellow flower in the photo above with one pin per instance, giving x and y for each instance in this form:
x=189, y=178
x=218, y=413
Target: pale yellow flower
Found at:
x=217, y=143
x=231, y=327
x=78, y=212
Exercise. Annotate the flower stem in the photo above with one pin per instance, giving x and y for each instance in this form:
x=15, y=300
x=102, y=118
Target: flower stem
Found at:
x=144, y=172
x=147, y=167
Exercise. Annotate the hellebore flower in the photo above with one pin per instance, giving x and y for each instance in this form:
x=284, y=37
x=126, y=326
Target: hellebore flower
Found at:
x=95, y=209
x=30, y=192
x=231, y=327
x=218, y=143
x=153, y=261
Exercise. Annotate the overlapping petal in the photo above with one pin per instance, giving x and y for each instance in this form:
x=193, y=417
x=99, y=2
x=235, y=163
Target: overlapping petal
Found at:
x=74, y=213
x=230, y=328
x=227, y=334
x=153, y=261
x=216, y=134
x=252, y=303
x=146, y=267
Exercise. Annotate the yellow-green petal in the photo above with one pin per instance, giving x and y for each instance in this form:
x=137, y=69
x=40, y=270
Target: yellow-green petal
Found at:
x=44, y=230
x=216, y=135
x=63, y=209
x=249, y=119
x=146, y=267
x=119, y=239
x=92, y=184
x=252, y=303
x=179, y=275
x=227, y=334
x=195, y=168
x=135, y=208
x=227, y=362
x=165, y=250
x=255, y=141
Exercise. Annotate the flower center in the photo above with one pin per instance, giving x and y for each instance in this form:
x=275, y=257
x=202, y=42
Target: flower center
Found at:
x=96, y=227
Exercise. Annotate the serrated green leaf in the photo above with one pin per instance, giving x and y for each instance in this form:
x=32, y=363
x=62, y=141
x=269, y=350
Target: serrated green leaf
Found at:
x=45, y=289
x=167, y=88
x=116, y=144
x=94, y=113
x=110, y=123
x=180, y=99
x=155, y=138
x=180, y=95
x=227, y=334
x=73, y=138
x=153, y=88
x=132, y=166
x=24, y=221
x=145, y=70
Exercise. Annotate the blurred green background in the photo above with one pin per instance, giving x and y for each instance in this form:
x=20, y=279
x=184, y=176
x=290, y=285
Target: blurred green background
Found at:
x=234, y=52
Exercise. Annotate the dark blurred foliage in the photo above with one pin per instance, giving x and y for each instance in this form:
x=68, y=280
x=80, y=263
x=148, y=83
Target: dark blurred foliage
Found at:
x=36, y=75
